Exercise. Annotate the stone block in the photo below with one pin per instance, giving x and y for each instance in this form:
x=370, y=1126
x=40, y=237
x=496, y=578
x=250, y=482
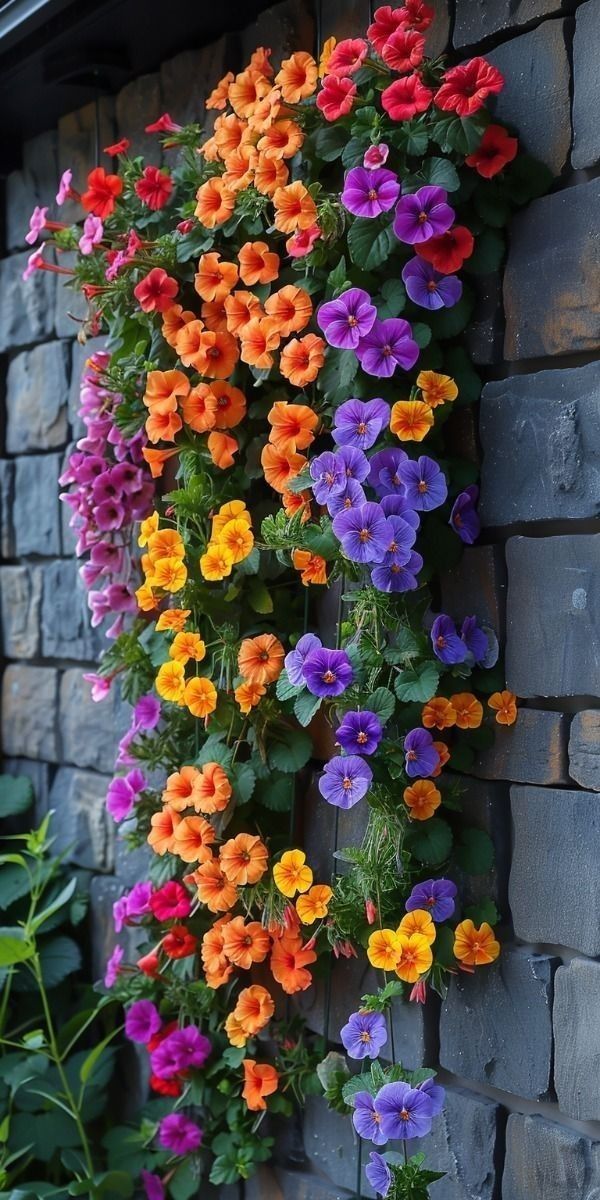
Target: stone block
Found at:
x=479, y=19
x=187, y=80
x=485, y=805
x=541, y=447
x=20, y=600
x=104, y=890
x=7, y=534
x=36, y=399
x=35, y=514
x=71, y=307
x=83, y=830
x=289, y=26
x=438, y=34
x=545, y=1161
x=507, y=1009
x=533, y=750
x=27, y=310
x=139, y=104
x=331, y=1145
x=577, y=1039
x=131, y=865
x=89, y=729
x=34, y=184
x=550, y=294
x=556, y=846
x=553, y=604
x=39, y=774
x=586, y=86
x=80, y=145
x=29, y=701
x=535, y=101
x=67, y=535
x=484, y=336
x=277, y=1183
x=320, y=821
x=584, y=749
x=477, y=585
x=66, y=630
x=463, y=1144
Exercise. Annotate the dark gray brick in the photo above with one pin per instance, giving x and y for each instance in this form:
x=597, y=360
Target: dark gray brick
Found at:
x=556, y=846
x=77, y=146
x=484, y=336
x=34, y=184
x=478, y=19
x=535, y=100
x=463, y=1144
x=477, y=586
x=27, y=309
x=550, y=294
x=131, y=865
x=584, y=749
x=533, y=750
x=35, y=514
x=139, y=104
x=545, y=1161
x=29, y=701
x=436, y=38
x=36, y=399
x=553, y=602
x=507, y=1009
x=20, y=599
x=331, y=1145
x=89, y=729
x=577, y=1039
x=65, y=626
x=82, y=828
x=586, y=86
x=541, y=446
x=7, y=534
x=276, y=1183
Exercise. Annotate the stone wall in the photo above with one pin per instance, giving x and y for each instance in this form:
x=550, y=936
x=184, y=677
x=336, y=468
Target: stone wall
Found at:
x=518, y=1045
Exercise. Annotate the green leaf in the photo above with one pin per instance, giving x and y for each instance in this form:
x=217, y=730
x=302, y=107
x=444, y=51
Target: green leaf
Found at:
x=59, y=958
x=337, y=279
x=366, y=118
x=16, y=795
x=370, y=245
x=234, y=1056
x=305, y=706
x=244, y=782
x=285, y=690
x=411, y=137
x=394, y=297
x=59, y=902
x=439, y=172
x=183, y=1184
x=259, y=597
x=417, y=683
x=329, y=141
x=49, y=1131
x=449, y=322
x=421, y=334
x=430, y=841
x=13, y=946
x=353, y=152
x=488, y=253
x=474, y=852
x=485, y=910
x=339, y=371
x=320, y=539
x=14, y=883
x=291, y=754
x=277, y=796
x=381, y=702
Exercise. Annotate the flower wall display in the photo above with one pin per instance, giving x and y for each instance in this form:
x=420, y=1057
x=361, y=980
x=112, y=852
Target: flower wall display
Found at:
x=278, y=412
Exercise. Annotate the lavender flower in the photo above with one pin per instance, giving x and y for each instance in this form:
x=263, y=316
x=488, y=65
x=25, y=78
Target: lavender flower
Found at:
x=422, y=215
x=395, y=505
x=364, y=1034
x=352, y=496
x=370, y=192
x=476, y=641
x=436, y=1094
x=113, y=966
x=345, y=320
x=178, y=1134
x=421, y=756
x=327, y=672
x=359, y=732
x=434, y=895
x=354, y=463
x=406, y=1112
x=359, y=422
x=388, y=344
x=142, y=1021
x=447, y=646
x=425, y=486
x=429, y=288
x=328, y=474
x=464, y=518
x=363, y=532
x=378, y=1173
x=294, y=661
x=345, y=780
x=384, y=473
x=393, y=576
x=366, y=1118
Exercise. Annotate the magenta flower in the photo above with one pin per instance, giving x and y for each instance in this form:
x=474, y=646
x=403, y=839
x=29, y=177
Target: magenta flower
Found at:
x=427, y=287
x=100, y=686
x=447, y=645
x=327, y=672
x=422, y=215
x=146, y=713
x=387, y=345
x=138, y=899
x=178, y=1134
x=363, y=532
x=37, y=222
x=421, y=756
x=359, y=422
x=35, y=263
x=93, y=232
x=464, y=517
x=376, y=156
x=171, y=902
x=364, y=1034
x=368, y=193
x=345, y=320
x=152, y=1185
x=120, y=799
x=142, y=1021
x=345, y=780
x=425, y=485
x=113, y=967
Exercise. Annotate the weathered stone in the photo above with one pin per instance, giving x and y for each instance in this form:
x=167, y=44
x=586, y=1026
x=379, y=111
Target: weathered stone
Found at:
x=29, y=698
x=485, y=806
x=550, y=295
x=139, y=104
x=71, y=306
x=577, y=1039
x=27, y=309
x=275, y=1183
x=82, y=828
x=288, y=26
x=477, y=586
x=545, y=1161
x=66, y=629
x=484, y=336
x=20, y=598
x=68, y=535
x=131, y=865
x=36, y=399
x=533, y=750
x=7, y=534
x=553, y=605
x=79, y=356
x=536, y=100
x=556, y=846
x=584, y=749
x=478, y=19
x=463, y=1144
x=541, y=446
x=507, y=1010
x=34, y=184
x=35, y=514
x=80, y=141
x=332, y=1145
x=39, y=774
x=187, y=80
x=586, y=86
x=89, y=729
x=104, y=890
x=437, y=36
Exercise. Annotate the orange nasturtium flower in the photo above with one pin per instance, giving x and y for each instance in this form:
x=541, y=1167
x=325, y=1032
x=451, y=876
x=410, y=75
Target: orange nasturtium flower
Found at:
x=233, y=510
x=164, y=389
x=174, y=319
x=302, y=359
x=230, y=404
x=246, y=90
x=418, y=921
x=200, y=408
x=170, y=574
x=469, y=710
x=327, y=50
x=422, y=798
x=156, y=459
x=165, y=543
x=245, y=943
x=505, y=704
x=214, y=888
x=297, y=77
x=438, y=713
x=146, y=600
x=291, y=874
x=238, y=538
x=260, y=1080
x=383, y=950
x=200, y=696
x=192, y=840
x=436, y=389
x=415, y=957
x=162, y=427
x=411, y=420
x=244, y=859
x=170, y=682
x=444, y=754
x=162, y=832
x=259, y=338
x=279, y=467
x=312, y=567
x=213, y=790
x=216, y=562
x=215, y=203
x=248, y=695
x=216, y=965
x=292, y=426
x=240, y=165
x=270, y=174
x=235, y=1031
x=254, y=1008
x=288, y=962
x=222, y=447
x=290, y=308
x=218, y=96
x=475, y=947
x=260, y=659
x=240, y=307
x=214, y=316
x=180, y=790
x=172, y=619
x=314, y=905
x=294, y=208
x=186, y=646
x=258, y=264
x=147, y=528
x=214, y=279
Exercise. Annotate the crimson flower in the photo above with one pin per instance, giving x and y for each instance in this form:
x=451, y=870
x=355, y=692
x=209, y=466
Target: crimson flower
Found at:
x=336, y=97
x=406, y=97
x=102, y=191
x=404, y=51
x=448, y=251
x=466, y=88
x=495, y=150
x=179, y=942
x=117, y=148
x=164, y=124
x=386, y=20
x=347, y=57
x=154, y=188
x=156, y=291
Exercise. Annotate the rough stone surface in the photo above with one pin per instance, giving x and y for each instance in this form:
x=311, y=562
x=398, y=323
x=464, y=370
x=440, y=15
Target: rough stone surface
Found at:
x=66, y=630
x=39, y=774
x=131, y=865
x=7, y=535
x=77, y=145
x=553, y=616
x=485, y=805
x=67, y=534
x=29, y=697
x=20, y=599
x=276, y=1183
x=507, y=1012
x=484, y=337
x=35, y=514
x=550, y=293
x=586, y=86
x=139, y=104
x=584, y=749
x=463, y=1144
x=71, y=307
x=481, y=577
x=541, y=446
x=577, y=1039
x=478, y=19
x=556, y=846
x=89, y=730
x=545, y=1161
x=34, y=184
x=104, y=890
x=27, y=309
x=36, y=399
x=332, y=1145
x=83, y=830
x=536, y=99
x=533, y=750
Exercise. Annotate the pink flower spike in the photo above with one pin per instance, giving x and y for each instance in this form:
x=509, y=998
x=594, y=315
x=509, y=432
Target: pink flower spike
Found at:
x=64, y=187
x=37, y=222
x=165, y=124
x=35, y=262
x=93, y=232
x=376, y=156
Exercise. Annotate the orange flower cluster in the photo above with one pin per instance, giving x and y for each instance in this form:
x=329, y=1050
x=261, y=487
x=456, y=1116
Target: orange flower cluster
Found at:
x=260, y=663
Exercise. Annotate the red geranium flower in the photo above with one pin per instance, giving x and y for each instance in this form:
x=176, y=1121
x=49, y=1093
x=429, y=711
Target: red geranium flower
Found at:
x=170, y=902
x=416, y=15
x=154, y=188
x=179, y=942
x=448, y=251
x=386, y=21
x=156, y=291
x=102, y=191
x=336, y=97
x=403, y=51
x=166, y=1087
x=466, y=88
x=496, y=149
x=347, y=57
x=405, y=98
x=165, y=124
x=118, y=147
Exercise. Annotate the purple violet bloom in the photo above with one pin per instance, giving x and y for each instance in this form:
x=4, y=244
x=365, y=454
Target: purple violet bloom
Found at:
x=368, y=192
x=294, y=661
x=113, y=966
x=191, y=1045
x=393, y=576
x=359, y=732
x=475, y=640
x=429, y=288
x=364, y=533
x=359, y=422
x=366, y=1118
x=384, y=473
x=327, y=672
x=436, y=896
x=178, y=1134
x=425, y=484
x=436, y=1094
x=146, y=713
x=422, y=215
x=378, y=1174
x=354, y=463
x=402, y=539
x=388, y=344
x=464, y=517
x=345, y=780
x=328, y=474
x=142, y=1021
x=447, y=646
x=347, y=319
x=152, y=1185
x=421, y=756
x=364, y=1034
x=395, y=505
x=352, y=496
x=406, y=1112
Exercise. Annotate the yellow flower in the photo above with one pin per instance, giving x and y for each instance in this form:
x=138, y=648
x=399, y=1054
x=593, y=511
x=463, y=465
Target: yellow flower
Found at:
x=326, y=52
x=170, y=682
x=291, y=875
x=411, y=420
x=237, y=537
x=200, y=695
x=383, y=950
x=187, y=645
x=235, y=1031
x=248, y=695
x=216, y=563
x=170, y=574
x=436, y=389
x=415, y=957
x=147, y=528
x=165, y=543
x=232, y=511
x=146, y=599
x=147, y=566
x=418, y=921
x=314, y=905
x=172, y=619
x=475, y=947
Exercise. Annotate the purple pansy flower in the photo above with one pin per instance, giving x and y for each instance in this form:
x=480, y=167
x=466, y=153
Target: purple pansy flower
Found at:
x=425, y=484
x=396, y=505
x=475, y=640
x=327, y=672
x=294, y=661
x=436, y=896
x=328, y=473
x=152, y=1185
x=352, y=496
x=354, y=463
x=364, y=533
x=378, y=1173
x=359, y=732
x=421, y=756
x=368, y=192
x=393, y=576
x=422, y=215
x=402, y=539
x=429, y=288
x=359, y=422
x=365, y=1118
x=406, y=1112
x=364, y=1034
x=384, y=473
x=178, y=1134
x=436, y=1094
x=464, y=517
x=345, y=780
x=389, y=344
x=347, y=319
x=447, y=645
x=142, y=1021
